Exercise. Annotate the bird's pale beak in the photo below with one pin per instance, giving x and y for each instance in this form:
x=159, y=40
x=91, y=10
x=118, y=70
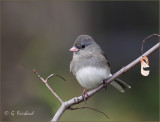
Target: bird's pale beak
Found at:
x=74, y=49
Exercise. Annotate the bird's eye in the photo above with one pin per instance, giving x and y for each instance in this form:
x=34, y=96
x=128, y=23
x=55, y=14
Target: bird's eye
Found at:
x=83, y=46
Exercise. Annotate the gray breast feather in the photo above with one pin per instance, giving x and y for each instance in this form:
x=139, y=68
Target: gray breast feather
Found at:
x=96, y=60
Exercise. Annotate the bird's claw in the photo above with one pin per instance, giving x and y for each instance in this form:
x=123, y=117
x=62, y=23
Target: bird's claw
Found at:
x=83, y=95
x=105, y=85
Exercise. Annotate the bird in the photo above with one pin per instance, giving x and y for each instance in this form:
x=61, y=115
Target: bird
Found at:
x=90, y=65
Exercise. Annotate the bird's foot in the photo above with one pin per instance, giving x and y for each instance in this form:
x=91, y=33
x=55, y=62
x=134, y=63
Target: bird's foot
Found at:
x=83, y=95
x=105, y=84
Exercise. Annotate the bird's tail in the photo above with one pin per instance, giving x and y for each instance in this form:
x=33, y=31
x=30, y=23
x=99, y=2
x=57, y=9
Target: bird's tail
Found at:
x=120, y=85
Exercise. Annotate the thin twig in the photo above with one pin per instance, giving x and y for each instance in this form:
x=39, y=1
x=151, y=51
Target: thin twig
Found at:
x=55, y=75
x=46, y=83
x=144, y=40
x=49, y=77
x=83, y=107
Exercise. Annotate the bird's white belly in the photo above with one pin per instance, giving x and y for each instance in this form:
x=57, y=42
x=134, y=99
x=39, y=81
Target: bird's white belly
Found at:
x=91, y=77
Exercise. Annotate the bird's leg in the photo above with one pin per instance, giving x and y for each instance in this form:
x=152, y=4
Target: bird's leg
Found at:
x=105, y=84
x=83, y=95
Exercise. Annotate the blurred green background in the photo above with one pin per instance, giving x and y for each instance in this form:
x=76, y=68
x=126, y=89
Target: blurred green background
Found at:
x=40, y=33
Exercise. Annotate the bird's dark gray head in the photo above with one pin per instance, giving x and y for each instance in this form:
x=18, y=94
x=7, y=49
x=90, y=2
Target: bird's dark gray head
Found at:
x=84, y=42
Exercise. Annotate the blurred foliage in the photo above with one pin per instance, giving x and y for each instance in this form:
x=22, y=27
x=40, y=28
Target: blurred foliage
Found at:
x=40, y=33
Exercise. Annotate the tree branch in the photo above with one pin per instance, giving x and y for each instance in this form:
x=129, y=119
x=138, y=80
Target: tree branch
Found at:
x=77, y=100
x=68, y=104
x=46, y=82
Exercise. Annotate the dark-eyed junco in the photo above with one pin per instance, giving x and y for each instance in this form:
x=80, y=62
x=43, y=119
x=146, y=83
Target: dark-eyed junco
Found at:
x=90, y=65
